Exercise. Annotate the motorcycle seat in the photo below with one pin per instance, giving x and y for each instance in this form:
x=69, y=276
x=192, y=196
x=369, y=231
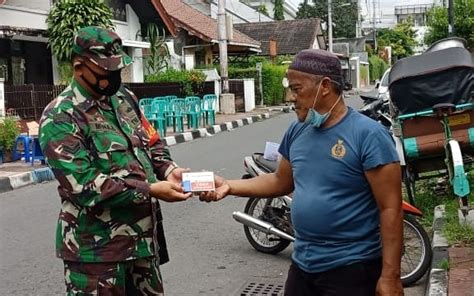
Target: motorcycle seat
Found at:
x=269, y=166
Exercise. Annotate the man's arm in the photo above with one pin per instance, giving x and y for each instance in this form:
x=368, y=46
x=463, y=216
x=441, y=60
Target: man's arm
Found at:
x=263, y=186
x=385, y=182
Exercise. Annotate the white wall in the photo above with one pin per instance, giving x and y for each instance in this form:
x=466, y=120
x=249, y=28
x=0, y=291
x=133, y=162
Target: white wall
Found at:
x=2, y=98
x=22, y=17
x=249, y=94
x=32, y=4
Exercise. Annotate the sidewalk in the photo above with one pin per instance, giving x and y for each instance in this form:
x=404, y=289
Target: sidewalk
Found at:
x=17, y=174
x=458, y=279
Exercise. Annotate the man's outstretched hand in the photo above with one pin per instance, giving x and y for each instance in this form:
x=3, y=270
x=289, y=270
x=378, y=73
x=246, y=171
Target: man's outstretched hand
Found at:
x=176, y=176
x=222, y=190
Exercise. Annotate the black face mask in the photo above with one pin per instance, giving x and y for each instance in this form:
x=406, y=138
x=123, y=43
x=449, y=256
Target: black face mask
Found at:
x=114, y=81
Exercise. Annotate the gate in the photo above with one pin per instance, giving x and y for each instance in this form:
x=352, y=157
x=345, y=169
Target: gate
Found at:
x=29, y=100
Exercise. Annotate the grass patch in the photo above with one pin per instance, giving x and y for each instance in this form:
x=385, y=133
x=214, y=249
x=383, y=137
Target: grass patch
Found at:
x=457, y=234
x=443, y=264
x=427, y=199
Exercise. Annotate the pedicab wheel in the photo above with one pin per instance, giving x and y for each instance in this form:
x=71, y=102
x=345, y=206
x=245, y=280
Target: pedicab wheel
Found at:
x=262, y=242
x=417, y=253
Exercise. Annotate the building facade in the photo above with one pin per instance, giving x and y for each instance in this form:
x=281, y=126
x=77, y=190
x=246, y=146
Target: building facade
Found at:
x=24, y=54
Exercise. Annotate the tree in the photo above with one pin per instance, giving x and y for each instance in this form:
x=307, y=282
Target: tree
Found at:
x=437, y=21
x=263, y=10
x=344, y=15
x=66, y=17
x=278, y=11
x=159, y=55
x=401, y=39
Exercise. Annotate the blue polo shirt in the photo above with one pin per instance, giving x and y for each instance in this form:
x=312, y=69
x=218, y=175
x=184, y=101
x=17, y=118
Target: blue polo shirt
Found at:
x=334, y=213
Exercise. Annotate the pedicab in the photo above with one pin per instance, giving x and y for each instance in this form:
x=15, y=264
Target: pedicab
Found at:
x=432, y=98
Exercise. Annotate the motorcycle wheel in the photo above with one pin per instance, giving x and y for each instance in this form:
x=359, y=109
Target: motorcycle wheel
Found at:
x=262, y=242
x=417, y=253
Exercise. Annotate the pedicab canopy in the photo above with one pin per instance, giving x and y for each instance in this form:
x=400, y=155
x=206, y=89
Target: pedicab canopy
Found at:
x=445, y=76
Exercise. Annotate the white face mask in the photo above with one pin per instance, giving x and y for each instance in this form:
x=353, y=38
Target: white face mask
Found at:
x=315, y=118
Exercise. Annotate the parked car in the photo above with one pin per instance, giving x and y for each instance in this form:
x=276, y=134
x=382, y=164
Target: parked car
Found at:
x=382, y=86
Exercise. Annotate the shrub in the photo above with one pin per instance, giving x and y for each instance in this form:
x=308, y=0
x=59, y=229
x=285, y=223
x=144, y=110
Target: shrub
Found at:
x=187, y=79
x=66, y=17
x=364, y=73
x=377, y=67
x=272, y=75
x=273, y=90
x=9, y=130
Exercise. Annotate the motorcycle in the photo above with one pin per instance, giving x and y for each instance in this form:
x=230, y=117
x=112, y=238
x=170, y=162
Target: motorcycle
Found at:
x=268, y=227
x=378, y=109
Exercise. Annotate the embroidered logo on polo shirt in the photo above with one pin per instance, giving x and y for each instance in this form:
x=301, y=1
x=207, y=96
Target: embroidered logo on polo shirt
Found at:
x=338, y=150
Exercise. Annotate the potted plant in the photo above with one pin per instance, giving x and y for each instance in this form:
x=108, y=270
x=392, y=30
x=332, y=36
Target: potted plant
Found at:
x=9, y=131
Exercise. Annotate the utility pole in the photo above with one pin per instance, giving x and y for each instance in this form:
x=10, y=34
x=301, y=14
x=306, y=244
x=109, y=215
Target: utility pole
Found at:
x=374, y=30
x=330, y=25
x=222, y=32
x=451, y=18
x=358, y=25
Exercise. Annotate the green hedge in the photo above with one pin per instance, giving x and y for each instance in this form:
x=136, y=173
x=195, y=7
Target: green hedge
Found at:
x=377, y=67
x=273, y=90
x=272, y=75
x=185, y=77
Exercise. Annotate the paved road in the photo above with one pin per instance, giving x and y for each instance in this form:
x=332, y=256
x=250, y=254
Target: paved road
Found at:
x=209, y=252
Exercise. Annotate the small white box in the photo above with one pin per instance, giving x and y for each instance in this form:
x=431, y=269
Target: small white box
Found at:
x=198, y=182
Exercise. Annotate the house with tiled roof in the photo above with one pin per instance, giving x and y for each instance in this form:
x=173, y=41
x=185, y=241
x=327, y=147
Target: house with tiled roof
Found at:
x=291, y=36
x=196, y=35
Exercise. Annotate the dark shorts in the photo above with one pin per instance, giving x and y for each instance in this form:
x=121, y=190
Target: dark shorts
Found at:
x=359, y=279
x=135, y=277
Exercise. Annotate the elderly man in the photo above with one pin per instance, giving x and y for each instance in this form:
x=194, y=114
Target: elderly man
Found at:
x=112, y=168
x=344, y=171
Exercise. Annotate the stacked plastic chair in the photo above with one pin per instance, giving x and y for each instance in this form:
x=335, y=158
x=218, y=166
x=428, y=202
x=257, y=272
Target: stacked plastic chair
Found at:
x=159, y=109
x=177, y=108
x=193, y=111
x=207, y=109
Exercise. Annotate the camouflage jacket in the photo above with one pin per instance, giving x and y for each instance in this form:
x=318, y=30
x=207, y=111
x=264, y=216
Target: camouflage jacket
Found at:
x=104, y=156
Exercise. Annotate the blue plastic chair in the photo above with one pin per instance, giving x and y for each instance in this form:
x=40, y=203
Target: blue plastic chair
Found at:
x=208, y=111
x=193, y=111
x=145, y=101
x=177, y=108
x=36, y=153
x=145, y=105
x=159, y=109
x=25, y=141
x=170, y=98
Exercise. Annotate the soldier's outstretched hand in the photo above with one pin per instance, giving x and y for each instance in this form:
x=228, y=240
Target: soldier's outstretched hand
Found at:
x=176, y=176
x=222, y=190
x=168, y=191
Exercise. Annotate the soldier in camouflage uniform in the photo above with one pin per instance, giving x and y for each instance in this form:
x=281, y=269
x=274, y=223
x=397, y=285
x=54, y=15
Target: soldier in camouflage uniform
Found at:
x=112, y=168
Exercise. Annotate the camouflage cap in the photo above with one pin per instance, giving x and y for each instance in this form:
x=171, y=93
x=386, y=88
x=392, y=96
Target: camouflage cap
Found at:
x=101, y=46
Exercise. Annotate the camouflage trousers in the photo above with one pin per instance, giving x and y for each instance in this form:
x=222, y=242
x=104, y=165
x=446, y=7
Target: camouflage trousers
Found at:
x=135, y=277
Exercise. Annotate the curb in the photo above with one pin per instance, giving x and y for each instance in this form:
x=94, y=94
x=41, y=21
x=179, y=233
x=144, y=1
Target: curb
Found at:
x=45, y=174
x=438, y=277
x=24, y=179
x=215, y=129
